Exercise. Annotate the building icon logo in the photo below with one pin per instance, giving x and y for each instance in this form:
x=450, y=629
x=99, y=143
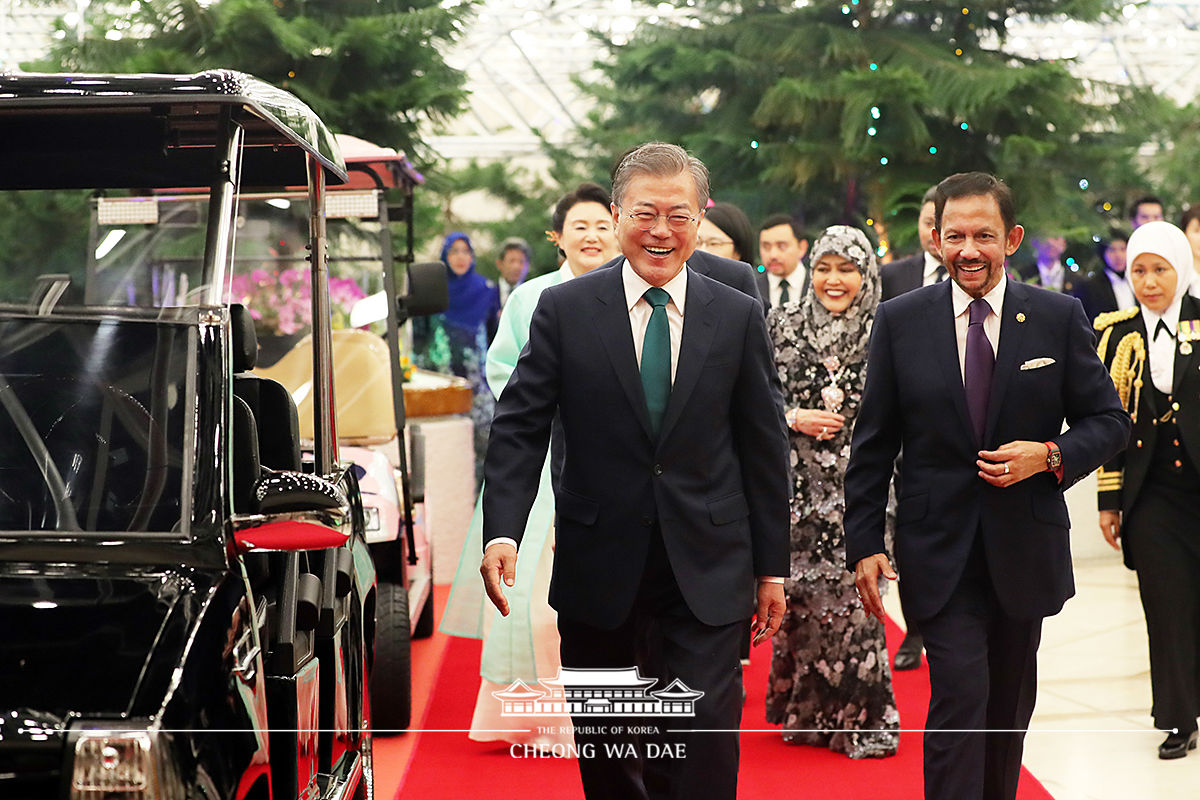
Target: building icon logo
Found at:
x=600, y=693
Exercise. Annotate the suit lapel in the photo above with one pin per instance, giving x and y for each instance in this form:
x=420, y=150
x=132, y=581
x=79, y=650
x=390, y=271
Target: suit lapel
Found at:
x=1012, y=335
x=945, y=347
x=699, y=327
x=611, y=319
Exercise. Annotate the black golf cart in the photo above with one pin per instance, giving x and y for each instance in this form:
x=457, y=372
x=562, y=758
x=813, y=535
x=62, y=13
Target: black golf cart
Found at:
x=187, y=601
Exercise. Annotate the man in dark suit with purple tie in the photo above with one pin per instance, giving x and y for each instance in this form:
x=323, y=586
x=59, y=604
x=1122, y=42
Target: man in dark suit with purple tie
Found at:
x=974, y=378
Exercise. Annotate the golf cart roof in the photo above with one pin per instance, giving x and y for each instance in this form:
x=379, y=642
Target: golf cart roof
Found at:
x=154, y=131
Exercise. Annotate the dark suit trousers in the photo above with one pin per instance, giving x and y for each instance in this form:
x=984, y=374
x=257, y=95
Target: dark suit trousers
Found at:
x=982, y=676
x=665, y=641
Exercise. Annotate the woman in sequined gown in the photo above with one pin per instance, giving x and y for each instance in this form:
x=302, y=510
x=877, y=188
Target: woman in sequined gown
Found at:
x=830, y=684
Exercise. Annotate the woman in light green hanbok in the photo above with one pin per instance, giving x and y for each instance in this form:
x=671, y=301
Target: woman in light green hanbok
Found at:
x=524, y=645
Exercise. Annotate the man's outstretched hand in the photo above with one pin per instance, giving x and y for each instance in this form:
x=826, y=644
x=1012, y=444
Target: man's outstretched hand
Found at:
x=499, y=564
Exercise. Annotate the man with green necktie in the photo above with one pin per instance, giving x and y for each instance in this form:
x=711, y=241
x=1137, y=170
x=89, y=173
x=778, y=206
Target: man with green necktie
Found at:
x=672, y=529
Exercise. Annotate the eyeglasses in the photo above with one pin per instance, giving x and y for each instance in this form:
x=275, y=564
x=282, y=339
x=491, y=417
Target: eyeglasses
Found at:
x=644, y=220
x=706, y=244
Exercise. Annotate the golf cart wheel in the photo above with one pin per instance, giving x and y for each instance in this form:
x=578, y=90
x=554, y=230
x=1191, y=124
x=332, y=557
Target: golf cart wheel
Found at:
x=391, y=677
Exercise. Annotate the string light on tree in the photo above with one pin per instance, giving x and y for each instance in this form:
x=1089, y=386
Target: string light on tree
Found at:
x=933, y=151
x=871, y=131
x=963, y=125
x=883, y=160
x=874, y=112
x=1083, y=183
x=754, y=144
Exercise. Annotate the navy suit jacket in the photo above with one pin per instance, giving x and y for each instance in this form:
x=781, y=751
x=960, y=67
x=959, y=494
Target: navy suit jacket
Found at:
x=1096, y=293
x=914, y=398
x=715, y=480
x=902, y=276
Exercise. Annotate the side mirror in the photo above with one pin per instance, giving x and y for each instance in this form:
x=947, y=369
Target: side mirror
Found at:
x=428, y=291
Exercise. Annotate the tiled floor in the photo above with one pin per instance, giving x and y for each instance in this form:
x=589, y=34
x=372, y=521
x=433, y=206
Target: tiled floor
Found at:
x=1092, y=737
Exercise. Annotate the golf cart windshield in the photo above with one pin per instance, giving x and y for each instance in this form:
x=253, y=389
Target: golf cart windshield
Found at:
x=94, y=432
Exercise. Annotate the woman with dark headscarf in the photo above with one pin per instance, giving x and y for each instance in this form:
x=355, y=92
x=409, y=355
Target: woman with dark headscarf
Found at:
x=1149, y=495
x=830, y=684
x=455, y=342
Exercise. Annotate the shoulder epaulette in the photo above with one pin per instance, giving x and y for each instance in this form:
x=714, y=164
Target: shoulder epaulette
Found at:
x=1112, y=317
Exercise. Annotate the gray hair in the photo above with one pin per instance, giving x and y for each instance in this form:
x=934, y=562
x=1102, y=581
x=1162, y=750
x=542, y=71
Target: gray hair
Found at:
x=663, y=160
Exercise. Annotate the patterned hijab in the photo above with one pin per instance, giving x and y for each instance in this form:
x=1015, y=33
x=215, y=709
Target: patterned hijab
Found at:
x=845, y=335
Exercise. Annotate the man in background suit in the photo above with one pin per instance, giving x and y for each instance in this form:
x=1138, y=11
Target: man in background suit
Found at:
x=782, y=247
x=1106, y=289
x=672, y=504
x=974, y=378
x=905, y=274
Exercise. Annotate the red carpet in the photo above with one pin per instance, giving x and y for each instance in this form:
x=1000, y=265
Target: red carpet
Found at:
x=448, y=765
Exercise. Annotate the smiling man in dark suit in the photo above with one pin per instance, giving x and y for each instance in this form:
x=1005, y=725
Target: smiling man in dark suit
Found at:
x=672, y=503
x=974, y=378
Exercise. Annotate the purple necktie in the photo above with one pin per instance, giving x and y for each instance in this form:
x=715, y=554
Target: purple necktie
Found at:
x=977, y=367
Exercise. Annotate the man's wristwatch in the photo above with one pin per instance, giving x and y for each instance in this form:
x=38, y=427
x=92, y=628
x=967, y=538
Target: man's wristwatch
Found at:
x=1053, y=458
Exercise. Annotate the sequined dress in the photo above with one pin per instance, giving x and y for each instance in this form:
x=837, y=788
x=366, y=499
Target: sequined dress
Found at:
x=830, y=683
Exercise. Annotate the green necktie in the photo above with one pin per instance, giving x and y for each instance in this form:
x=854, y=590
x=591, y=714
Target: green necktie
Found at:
x=784, y=296
x=656, y=357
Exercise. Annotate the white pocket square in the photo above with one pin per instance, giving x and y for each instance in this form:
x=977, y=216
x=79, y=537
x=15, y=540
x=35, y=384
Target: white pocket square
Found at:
x=1037, y=363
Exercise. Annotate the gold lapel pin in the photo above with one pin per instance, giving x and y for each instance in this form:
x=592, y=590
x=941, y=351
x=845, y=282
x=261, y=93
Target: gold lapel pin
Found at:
x=1020, y=316
x=1185, y=348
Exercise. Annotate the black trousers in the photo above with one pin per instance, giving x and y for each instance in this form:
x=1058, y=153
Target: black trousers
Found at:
x=983, y=684
x=635, y=758
x=1163, y=534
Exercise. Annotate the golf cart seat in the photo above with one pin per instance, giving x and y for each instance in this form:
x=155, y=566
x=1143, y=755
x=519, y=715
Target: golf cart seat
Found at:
x=273, y=409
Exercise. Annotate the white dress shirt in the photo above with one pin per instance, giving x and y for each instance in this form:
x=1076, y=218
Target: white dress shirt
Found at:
x=1121, y=290
x=932, y=274
x=1162, y=347
x=1052, y=275
x=962, y=319
x=795, y=283
x=640, y=310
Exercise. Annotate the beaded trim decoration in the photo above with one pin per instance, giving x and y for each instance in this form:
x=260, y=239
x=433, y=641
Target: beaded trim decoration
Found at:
x=287, y=482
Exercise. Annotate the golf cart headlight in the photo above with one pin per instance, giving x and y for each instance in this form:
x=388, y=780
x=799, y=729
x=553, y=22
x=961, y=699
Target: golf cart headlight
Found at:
x=123, y=765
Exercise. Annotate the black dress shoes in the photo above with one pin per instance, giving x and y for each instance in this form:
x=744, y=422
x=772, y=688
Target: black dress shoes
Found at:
x=1177, y=745
x=908, y=655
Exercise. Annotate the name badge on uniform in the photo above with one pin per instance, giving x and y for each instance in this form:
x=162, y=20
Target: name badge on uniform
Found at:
x=1189, y=331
